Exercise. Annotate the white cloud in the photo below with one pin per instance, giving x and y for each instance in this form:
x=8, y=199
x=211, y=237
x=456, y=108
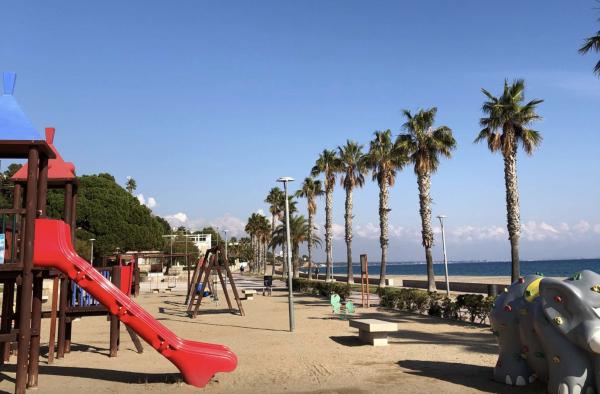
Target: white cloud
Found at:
x=367, y=231
x=476, y=233
x=338, y=231
x=260, y=211
x=583, y=226
x=177, y=219
x=150, y=202
x=597, y=228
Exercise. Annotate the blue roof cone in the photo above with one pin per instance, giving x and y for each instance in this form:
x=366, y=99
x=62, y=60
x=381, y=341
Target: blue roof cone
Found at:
x=14, y=125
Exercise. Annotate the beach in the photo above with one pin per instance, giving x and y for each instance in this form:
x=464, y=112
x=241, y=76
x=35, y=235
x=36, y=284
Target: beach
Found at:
x=505, y=280
x=323, y=355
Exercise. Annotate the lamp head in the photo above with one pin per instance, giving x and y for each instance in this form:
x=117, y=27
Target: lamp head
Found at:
x=285, y=179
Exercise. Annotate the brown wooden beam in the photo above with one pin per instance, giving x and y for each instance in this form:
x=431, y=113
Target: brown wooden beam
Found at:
x=53, y=313
x=27, y=278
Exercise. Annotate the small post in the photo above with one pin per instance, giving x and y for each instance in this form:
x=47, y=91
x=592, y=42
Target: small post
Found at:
x=364, y=279
x=52, y=338
x=114, y=320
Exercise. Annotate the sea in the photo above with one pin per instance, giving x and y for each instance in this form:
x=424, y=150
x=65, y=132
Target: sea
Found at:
x=560, y=268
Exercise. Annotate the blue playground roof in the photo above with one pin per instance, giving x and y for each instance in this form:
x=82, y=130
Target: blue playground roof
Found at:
x=14, y=125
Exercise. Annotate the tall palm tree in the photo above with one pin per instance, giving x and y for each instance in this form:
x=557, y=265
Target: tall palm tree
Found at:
x=328, y=164
x=130, y=185
x=274, y=199
x=352, y=168
x=384, y=160
x=592, y=43
x=251, y=229
x=256, y=227
x=424, y=145
x=264, y=235
x=300, y=232
x=505, y=125
x=311, y=189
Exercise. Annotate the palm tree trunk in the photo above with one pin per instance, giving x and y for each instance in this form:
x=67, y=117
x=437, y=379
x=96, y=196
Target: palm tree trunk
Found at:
x=348, y=220
x=310, y=226
x=296, y=261
x=425, y=210
x=383, y=229
x=328, y=227
x=273, y=249
x=513, y=219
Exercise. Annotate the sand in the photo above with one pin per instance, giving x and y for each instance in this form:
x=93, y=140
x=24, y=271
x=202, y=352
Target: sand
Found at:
x=322, y=356
x=456, y=278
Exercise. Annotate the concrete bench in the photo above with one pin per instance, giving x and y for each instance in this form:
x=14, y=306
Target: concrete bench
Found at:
x=249, y=293
x=373, y=331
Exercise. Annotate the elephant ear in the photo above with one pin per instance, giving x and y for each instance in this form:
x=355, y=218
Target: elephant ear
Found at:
x=562, y=304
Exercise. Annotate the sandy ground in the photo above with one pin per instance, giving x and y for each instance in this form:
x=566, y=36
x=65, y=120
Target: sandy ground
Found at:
x=322, y=356
x=456, y=278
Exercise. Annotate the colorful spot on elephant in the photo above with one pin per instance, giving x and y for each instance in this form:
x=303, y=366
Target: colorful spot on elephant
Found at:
x=533, y=290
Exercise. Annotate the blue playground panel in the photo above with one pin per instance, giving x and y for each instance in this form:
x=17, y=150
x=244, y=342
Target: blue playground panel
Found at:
x=14, y=124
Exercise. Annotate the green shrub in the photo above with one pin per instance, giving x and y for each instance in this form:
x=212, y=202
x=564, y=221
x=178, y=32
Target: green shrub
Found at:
x=471, y=307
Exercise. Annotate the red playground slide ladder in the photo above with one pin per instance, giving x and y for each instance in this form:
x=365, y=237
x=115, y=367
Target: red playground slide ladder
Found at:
x=197, y=361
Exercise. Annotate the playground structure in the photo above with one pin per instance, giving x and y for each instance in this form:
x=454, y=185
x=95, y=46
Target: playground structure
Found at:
x=549, y=329
x=208, y=266
x=37, y=248
x=74, y=302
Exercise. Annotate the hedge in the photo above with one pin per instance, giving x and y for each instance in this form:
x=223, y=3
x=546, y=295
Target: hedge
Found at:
x=470, y=307
x=324, y=289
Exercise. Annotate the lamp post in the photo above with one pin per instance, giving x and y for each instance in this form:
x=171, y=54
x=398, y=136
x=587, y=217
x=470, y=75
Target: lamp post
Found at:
x=92, y=252
x=442, y=217
x=285, y=181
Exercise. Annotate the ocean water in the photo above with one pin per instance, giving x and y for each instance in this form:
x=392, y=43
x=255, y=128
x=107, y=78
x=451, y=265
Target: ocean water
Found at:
x=480, y=268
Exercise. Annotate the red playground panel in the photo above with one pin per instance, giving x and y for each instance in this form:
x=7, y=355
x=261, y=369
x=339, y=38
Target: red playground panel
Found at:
x=197, y=361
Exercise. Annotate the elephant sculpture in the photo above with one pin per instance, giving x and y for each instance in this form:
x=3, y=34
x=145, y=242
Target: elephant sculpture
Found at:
x=549, y=329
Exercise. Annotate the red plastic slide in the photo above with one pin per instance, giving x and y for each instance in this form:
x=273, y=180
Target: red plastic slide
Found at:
x=197, y=361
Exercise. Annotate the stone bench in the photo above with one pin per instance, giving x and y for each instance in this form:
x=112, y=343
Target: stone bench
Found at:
x=373, y=331
x=249, y=293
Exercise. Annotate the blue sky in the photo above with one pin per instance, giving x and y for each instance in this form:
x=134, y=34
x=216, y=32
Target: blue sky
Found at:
x=205, y=104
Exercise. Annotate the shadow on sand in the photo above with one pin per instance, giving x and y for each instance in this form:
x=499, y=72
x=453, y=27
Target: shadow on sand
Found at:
x=472, y=376
x=111, y=375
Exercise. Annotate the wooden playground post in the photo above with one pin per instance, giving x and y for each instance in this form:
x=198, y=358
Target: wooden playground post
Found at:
x=364, y=279
x=38, y=282
x=52, y=337
x=26, y=276
x=114, y=320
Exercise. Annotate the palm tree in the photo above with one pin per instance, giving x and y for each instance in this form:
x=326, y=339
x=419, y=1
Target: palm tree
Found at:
x=131, y=185
x=254, y=228
x=328, y=164
x=504, y=127
x=311, y=188
x=423, y=144
x=274, y=199
x=592, y=43
x=300, y=232
x=352, y=168
x=264, y=236
x=384, y=160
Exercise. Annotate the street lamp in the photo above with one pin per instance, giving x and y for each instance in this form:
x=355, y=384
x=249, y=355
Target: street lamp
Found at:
x=285, y=180
x=442, y=217
x=92, y=252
